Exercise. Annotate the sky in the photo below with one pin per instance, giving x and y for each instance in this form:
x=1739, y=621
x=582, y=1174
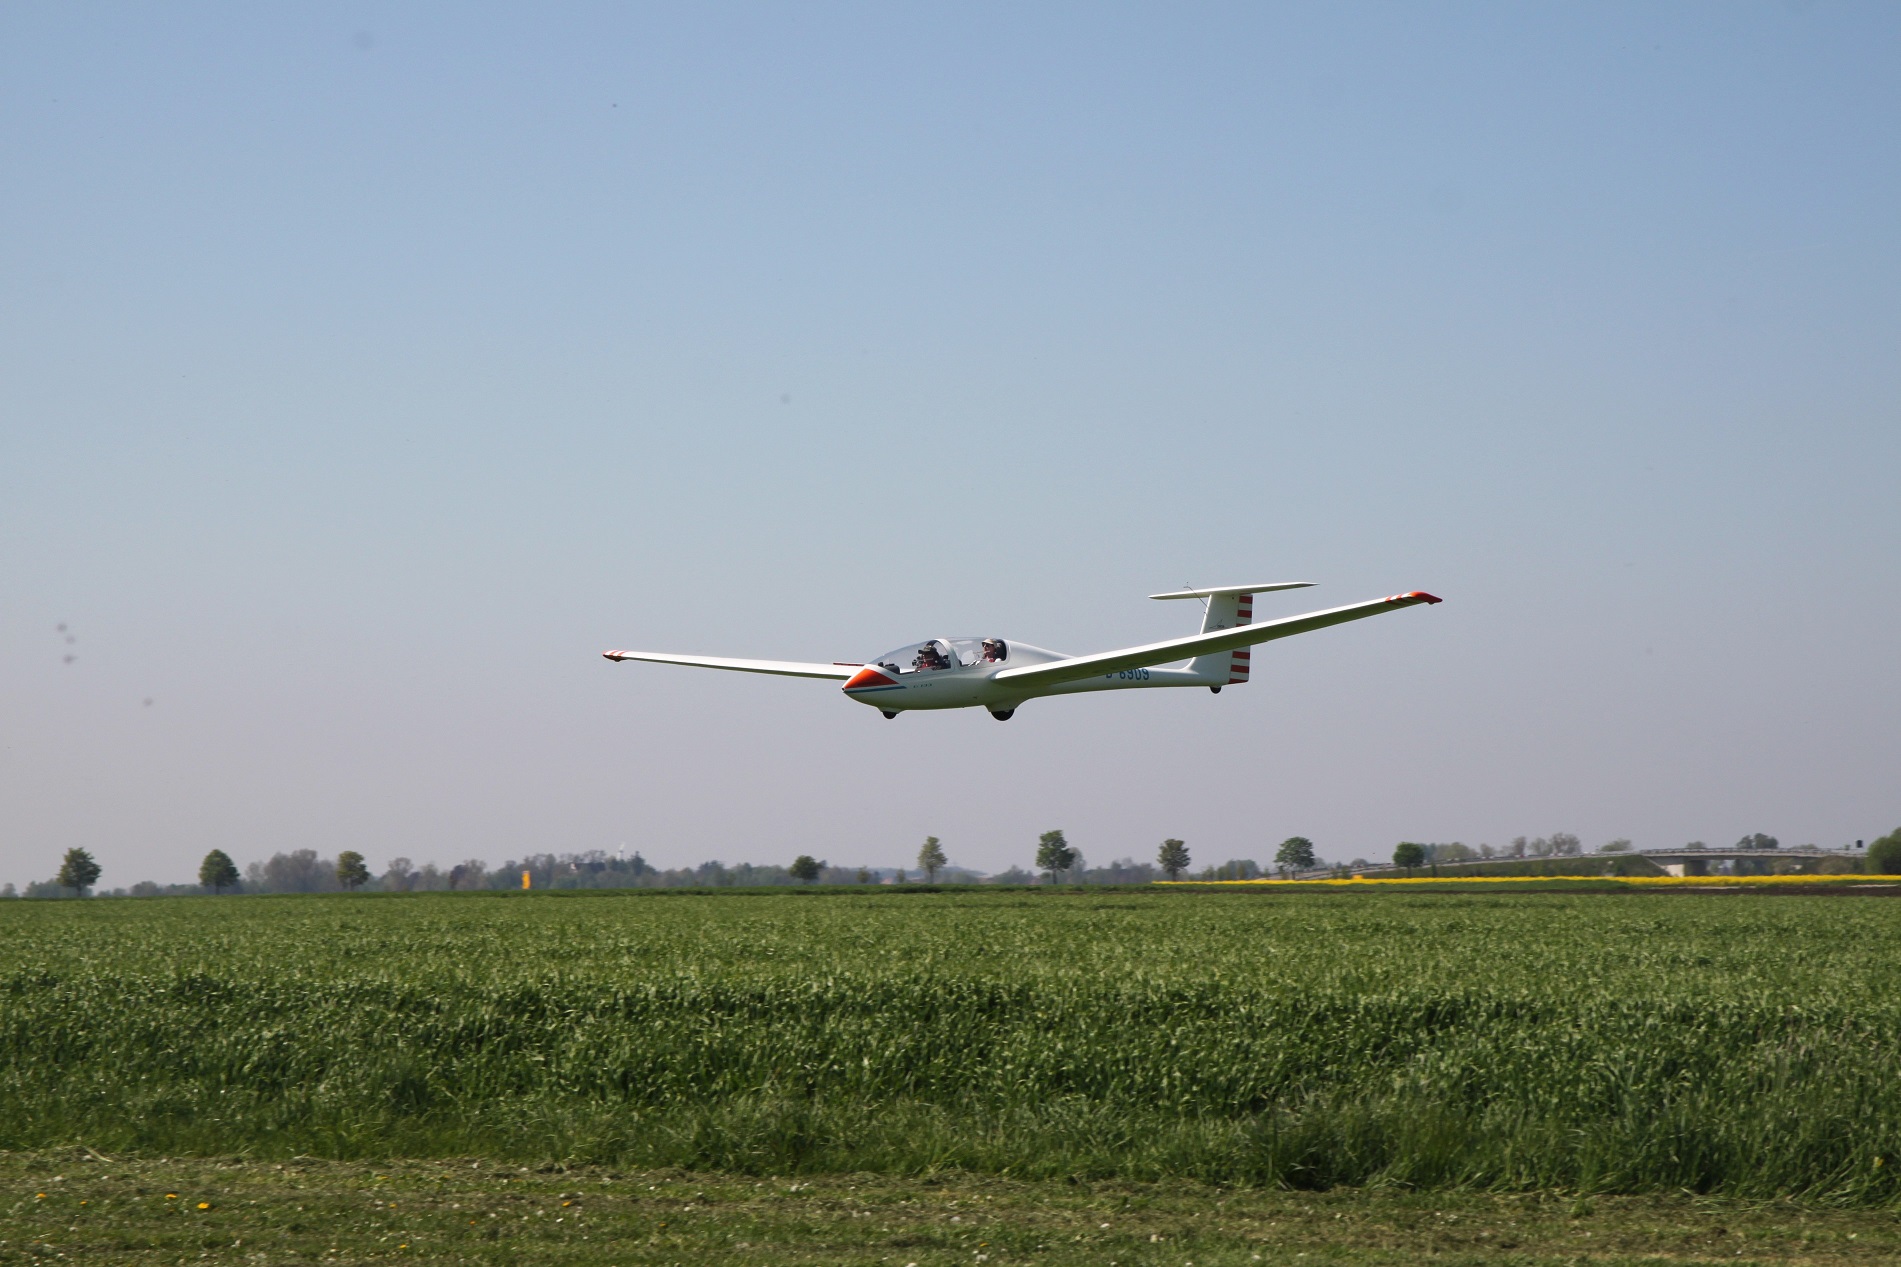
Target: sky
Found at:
x=366, y=370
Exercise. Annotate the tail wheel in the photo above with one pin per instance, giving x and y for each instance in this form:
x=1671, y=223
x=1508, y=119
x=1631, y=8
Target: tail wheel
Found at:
x=1005, y=715
x=888, y=714
x=1215, y=689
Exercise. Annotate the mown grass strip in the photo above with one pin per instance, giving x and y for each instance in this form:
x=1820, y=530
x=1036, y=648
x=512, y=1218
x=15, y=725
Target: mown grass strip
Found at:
x=79, y=1207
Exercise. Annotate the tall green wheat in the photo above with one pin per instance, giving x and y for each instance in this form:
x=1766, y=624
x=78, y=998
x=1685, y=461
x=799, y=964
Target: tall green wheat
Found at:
x=1749, y=1045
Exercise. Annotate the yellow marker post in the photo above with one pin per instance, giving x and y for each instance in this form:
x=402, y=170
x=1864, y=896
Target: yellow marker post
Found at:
x=524, y=879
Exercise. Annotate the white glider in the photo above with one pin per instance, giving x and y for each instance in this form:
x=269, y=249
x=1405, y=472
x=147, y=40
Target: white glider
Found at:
x=998, y=675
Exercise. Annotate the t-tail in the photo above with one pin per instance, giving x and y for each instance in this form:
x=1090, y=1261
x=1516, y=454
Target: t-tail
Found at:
x=1228, y=607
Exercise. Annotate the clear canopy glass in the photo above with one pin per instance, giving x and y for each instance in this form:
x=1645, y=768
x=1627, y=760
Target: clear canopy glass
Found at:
x=940, y=654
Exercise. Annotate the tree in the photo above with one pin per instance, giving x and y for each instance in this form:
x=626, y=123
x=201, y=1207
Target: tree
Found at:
x=864, y=875
x=931, y=857
x=1758, y=841
x=350, y=869
x=1615, y=846
x=1408, y=855
x=805, y=868
x=1884, y=855
x=1295, y=852
x=217, y=871
x=1173, y=857
x=78, y=872
x=299, y=871
x=1054, y=855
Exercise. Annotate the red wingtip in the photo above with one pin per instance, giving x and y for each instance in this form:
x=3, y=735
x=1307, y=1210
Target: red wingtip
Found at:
x=611, y=655
x=1416, y=596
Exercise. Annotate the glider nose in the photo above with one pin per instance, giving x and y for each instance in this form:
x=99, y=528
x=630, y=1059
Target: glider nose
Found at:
x=869, y=679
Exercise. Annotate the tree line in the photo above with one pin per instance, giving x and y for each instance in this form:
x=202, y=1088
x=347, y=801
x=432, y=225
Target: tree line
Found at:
x=1057, y=862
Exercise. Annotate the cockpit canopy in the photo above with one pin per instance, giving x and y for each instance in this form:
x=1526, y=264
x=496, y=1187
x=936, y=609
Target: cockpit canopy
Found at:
x=944, y=653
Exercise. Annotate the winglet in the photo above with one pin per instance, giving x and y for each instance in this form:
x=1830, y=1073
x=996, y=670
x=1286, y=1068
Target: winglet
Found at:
x=1417, y=596
x=614, y=655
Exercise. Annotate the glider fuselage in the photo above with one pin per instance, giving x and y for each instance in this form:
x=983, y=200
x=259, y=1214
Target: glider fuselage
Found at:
x=962, y=673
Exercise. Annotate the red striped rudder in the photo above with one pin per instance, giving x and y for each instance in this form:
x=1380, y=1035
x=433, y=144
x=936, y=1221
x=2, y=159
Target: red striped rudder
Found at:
x=1238, y=660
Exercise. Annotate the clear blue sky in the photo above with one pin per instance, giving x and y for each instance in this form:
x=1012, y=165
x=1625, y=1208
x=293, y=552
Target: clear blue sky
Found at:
x=366, y=370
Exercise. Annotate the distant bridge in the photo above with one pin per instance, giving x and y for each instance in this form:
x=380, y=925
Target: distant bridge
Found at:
x=1758, y=861
x=1683, y=862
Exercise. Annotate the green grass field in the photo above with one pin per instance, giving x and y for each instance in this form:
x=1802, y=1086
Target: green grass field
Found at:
x=82, y=1207
x=1738, y=1045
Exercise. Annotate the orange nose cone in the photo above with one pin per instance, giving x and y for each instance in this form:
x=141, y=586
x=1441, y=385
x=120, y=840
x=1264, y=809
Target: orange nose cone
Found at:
x=867, y=678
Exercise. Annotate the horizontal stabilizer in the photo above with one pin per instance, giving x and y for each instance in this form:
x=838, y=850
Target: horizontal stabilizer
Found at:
x=1235, y=589
x=1077, y=668
x=783, y=668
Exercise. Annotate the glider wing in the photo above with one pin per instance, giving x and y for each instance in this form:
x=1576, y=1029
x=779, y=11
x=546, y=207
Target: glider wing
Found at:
x=1079, y=667
x=783, y=668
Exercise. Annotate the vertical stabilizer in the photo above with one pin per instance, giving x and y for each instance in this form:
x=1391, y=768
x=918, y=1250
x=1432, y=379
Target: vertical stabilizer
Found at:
x=1229, y=607
x=1225, y=611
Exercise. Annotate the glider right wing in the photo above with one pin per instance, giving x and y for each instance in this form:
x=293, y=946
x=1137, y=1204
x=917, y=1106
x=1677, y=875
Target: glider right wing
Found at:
x=1076, y=668
x=783, y=668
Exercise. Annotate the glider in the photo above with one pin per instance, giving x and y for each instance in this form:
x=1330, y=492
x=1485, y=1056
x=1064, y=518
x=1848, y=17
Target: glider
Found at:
x=999, y=675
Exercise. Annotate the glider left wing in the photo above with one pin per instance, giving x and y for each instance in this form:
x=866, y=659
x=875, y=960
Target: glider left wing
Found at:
x=783, y=668
x=1076, y=668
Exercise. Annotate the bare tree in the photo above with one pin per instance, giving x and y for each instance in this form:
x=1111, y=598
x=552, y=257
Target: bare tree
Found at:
x=299, y=871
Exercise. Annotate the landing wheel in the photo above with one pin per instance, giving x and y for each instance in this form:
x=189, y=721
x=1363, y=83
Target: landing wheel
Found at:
x=1005, y=715
x=888, y=714
x=1214, y=690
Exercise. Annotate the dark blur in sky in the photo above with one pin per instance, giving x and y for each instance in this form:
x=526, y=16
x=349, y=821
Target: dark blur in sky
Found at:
x=366, y=370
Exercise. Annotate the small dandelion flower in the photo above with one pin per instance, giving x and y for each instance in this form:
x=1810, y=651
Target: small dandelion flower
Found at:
x=204, y=1205
x=171, y=1196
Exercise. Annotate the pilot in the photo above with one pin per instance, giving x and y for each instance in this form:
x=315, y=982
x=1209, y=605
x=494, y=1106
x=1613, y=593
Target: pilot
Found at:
x=993, y=650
